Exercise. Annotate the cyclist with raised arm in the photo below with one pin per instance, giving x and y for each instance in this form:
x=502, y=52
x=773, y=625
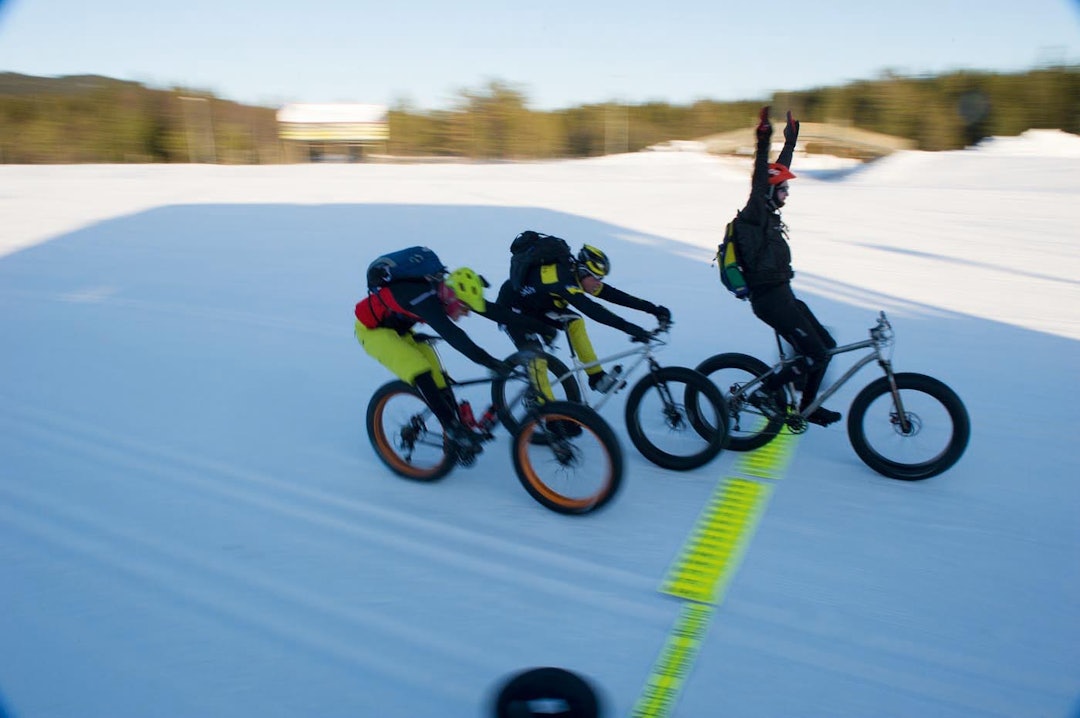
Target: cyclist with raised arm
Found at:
x=384, y=325
x=762, y=242
x=551, y=291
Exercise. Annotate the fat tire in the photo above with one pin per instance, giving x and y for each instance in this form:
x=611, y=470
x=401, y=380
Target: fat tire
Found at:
x=954, y=449
x=756, y=367
x=696, y=386
x=383, y=444
x=591, y=422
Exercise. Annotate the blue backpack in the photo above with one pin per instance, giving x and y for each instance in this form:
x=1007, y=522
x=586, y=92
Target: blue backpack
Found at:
x=412, y=263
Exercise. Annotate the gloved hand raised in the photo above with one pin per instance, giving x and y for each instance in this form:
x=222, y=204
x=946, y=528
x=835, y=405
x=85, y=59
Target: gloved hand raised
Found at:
x=764, y=128
x=791, y=129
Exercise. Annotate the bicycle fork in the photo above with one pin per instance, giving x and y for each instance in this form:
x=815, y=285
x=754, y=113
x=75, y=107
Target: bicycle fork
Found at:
x=901, y=417
x=671, y=408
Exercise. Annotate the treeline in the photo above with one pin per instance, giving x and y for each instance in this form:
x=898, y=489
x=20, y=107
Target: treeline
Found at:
x=937, y=113
x=96, y=119
x=496, y=123
x=950, y=111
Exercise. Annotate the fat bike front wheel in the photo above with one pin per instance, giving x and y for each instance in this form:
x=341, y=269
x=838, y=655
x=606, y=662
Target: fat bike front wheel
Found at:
x=578, y=466
x=677, y=418
x=922, y=436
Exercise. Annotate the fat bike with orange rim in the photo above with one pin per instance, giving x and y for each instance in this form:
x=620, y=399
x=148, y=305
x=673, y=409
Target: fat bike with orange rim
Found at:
x=576, y=469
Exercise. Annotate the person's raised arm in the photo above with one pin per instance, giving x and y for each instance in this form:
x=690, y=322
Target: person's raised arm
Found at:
x=756, y=206
x=791, y=135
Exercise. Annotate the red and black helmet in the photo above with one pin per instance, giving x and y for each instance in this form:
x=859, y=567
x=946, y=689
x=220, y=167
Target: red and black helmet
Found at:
x=779, y=173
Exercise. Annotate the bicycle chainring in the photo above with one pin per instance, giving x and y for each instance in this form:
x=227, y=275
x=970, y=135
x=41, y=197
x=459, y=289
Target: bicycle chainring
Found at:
x=796, y=424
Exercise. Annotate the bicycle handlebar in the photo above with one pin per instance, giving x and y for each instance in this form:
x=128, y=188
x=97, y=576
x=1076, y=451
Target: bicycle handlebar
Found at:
x=882, y=331
x=654, y=335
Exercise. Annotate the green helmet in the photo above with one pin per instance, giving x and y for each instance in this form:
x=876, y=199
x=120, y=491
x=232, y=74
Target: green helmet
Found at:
x=469, y=288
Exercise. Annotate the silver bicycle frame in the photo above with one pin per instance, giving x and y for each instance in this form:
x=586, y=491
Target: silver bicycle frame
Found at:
x=880, y=337
x=644, y=352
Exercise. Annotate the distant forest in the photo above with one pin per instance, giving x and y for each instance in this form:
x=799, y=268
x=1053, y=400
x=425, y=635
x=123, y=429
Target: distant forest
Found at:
x=80, y=119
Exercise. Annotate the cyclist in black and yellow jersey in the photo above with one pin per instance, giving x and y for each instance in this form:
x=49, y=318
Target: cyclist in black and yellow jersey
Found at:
x=552, y=290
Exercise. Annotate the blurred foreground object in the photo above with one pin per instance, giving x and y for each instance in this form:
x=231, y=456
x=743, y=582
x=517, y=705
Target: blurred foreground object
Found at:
x=547, y=692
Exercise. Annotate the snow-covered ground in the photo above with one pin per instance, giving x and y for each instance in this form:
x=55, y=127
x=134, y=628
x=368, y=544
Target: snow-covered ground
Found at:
x=192, y=521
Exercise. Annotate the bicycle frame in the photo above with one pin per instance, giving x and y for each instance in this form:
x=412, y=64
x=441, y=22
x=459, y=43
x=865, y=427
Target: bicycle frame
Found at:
x=881, y=338
x=643, y=352
x=486, y=421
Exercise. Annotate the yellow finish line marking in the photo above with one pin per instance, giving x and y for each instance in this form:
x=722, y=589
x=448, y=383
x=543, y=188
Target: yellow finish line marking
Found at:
x=716, y=545
x=706, y=566
x=669, y=673
x=771, y=460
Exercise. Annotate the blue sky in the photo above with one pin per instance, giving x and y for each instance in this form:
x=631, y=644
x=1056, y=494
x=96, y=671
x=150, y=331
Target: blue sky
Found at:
x=559, y=53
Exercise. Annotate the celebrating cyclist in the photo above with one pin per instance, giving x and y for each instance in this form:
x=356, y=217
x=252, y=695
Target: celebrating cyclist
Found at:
x=762, y=241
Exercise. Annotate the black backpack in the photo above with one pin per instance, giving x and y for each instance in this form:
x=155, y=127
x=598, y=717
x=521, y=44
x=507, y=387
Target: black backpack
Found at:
x=532, y=248
x=416, y=263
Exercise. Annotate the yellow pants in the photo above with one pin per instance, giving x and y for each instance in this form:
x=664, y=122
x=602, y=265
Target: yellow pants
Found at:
x=401, y=354
x=583, y=347
x=538, y=375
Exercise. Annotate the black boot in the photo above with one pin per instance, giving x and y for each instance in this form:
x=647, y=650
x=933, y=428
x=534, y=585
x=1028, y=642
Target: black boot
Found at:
x=823, y=417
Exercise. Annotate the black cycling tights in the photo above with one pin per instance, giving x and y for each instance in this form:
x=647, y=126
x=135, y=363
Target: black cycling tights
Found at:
x=441, y=401
x=779, y=308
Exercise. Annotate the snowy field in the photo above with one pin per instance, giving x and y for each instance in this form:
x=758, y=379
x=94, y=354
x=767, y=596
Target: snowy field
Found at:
x=192, y=521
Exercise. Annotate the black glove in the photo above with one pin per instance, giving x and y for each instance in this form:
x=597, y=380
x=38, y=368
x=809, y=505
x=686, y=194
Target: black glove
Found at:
x=550, y=335
x=663, y=315
x=637, y=333
x=791, y=129
x=764, y=128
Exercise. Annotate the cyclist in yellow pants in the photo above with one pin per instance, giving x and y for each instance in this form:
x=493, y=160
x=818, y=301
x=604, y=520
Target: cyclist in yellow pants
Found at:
x=384, y=327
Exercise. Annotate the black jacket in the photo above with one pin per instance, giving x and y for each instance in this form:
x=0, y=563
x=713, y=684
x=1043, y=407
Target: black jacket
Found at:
x=553, y=287
x=760, y=235
x=421, y=299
